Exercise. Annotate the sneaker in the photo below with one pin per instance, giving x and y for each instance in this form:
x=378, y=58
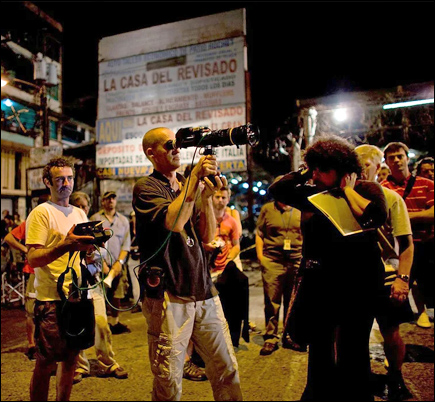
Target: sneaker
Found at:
x=193, y=373
x=423, y=321
x=31, y=353
x=119, y=329
x=118, y=373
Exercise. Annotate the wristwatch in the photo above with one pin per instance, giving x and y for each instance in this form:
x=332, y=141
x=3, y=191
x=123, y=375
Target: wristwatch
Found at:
x=404, y=278
x=122, y=262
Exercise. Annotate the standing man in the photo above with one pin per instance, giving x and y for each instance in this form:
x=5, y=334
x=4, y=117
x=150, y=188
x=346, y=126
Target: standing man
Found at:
x=174, y=217
x=425, y=168
x=383, y=173
x=232, y=284
x=49, y=240
x=418, y=193
x=278, y=242
x=342, y=276
x=16, y=240
x=108, y=366
x=393, y=308
x=118, y=247
x=225, y=246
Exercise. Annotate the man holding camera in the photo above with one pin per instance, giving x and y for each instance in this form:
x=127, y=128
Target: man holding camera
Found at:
x=50, y=240
x=174, y=216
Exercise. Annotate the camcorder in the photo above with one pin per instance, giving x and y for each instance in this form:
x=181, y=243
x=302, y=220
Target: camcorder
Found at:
x=94, y=229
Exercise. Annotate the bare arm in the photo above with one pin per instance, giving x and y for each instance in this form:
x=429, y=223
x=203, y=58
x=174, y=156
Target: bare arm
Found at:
x=181, y=209
x=259, y=247
x=357, y=203
x=39, y=256
x=207, y=220
x=426, y=216
x=14, y=243
x=117, y=266
x=235, y=251
x=400, y=289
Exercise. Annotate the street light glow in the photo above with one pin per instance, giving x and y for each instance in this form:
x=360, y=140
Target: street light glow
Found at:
x=4, y=82
x=340, y=115
x=408, y=104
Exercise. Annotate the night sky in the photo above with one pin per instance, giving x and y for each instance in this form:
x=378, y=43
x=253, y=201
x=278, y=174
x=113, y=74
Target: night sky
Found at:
x=296, y=50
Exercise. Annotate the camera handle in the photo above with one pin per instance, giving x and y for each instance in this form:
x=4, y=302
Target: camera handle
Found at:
x=209, y=150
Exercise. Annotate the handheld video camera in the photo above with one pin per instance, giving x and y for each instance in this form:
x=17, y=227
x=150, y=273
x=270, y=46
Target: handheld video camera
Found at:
x=94, y=229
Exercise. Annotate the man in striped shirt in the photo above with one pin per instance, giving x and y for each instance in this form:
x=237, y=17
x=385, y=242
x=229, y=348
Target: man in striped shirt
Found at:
x=419, y=198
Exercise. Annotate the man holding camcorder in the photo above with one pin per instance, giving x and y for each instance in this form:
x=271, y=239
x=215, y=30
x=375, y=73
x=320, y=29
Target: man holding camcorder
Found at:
x=174, y=217
x=49, y=240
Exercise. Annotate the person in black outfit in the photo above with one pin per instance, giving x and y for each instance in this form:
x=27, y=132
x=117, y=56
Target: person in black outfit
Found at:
x=341, y=275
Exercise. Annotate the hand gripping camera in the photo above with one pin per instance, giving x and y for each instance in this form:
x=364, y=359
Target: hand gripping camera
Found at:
x=94, y=229
x=208, y=139
x=204, y=137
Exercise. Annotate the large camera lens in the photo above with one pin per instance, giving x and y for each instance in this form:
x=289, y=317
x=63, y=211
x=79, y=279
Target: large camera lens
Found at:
x=203, y=136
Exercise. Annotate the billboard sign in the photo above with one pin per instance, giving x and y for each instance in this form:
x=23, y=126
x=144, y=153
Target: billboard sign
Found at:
x=194, y=84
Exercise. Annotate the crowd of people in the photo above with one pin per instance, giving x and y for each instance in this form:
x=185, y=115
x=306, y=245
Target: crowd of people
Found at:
x=193, y=292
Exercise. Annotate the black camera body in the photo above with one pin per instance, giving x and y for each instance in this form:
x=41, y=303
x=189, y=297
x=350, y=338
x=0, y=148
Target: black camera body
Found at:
x=204, y=137
x=94, y=229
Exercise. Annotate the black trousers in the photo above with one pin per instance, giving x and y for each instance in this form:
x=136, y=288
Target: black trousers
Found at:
x=339, y=360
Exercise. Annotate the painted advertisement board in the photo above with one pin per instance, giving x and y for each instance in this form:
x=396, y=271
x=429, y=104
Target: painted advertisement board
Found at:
x=194, y=83
x=193, y=77
x=119, y=149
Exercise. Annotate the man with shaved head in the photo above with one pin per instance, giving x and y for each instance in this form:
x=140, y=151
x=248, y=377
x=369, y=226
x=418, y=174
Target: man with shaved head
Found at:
x=174, y=217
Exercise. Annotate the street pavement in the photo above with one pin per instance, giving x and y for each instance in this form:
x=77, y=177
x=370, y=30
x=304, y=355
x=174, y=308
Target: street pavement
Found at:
x=279, y=377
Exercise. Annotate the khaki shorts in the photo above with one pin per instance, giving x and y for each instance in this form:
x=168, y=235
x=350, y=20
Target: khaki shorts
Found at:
x=51, y=346
x=30, y=296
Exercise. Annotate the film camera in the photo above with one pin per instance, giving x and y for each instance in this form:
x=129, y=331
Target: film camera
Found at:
x=94, y=229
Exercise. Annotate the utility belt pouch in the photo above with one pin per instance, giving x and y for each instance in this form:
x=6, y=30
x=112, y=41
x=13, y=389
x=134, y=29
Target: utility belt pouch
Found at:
x=152, y=282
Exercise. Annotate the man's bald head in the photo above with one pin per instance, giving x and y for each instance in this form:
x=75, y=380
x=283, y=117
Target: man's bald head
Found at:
x=164, y=159
x=155, y=137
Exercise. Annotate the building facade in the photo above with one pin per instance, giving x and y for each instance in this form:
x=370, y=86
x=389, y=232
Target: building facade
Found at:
x=33, y=126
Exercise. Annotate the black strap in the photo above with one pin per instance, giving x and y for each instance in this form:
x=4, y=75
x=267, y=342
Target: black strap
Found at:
x=84, y=275
x=409, y=187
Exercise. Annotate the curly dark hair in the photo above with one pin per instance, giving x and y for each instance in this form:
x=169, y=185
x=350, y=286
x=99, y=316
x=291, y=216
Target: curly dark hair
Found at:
x=61, y=161
x=332, y=152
